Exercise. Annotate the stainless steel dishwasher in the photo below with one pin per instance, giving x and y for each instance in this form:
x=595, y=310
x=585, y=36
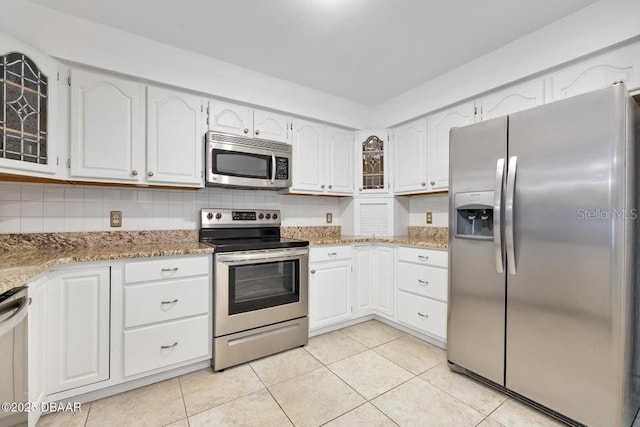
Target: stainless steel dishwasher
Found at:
x=14, y=367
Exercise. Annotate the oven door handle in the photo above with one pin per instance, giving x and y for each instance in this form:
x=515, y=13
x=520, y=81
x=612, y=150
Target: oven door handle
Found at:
x=273, y=167
x=247, y=258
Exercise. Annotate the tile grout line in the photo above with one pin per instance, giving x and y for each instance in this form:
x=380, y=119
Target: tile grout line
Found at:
x=271, y=394
x=86, y=420
x=184, y=404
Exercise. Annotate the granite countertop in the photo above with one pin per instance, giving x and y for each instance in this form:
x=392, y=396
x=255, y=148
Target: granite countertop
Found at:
x=23, y=260
x=395, y=240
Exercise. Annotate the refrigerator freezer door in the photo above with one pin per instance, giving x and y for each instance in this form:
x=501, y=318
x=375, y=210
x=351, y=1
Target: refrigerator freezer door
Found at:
x=475, y=325
x=567, y=301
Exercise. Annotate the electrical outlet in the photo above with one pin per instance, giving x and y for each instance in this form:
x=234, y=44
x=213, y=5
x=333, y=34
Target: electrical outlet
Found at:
x=429, y=218
x=115, y=218
x=329, y=217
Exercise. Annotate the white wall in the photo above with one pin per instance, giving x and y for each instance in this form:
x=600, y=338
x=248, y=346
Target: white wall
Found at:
x=79, y=40
x=437, y=204
x=30, y=208
x=596, y=27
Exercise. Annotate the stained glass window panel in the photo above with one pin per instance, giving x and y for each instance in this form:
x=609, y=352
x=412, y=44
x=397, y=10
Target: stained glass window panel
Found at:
x=373, y=163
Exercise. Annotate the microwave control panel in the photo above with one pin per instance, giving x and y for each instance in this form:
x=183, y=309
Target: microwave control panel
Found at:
x=282, y=168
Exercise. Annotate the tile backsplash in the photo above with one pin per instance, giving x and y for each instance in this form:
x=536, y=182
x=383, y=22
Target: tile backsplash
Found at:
x=35, y=208
x=437, y=204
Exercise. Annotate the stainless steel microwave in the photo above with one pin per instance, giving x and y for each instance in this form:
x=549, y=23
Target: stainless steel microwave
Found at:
x=234, y=161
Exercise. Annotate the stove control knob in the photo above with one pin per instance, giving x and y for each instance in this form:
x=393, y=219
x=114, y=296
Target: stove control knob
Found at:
x=209, y=215
x=261, y=216
x=268, y=216
x=218, y=215
x=275, y=216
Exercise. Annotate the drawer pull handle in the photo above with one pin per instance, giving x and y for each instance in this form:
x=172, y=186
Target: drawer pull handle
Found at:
x=170, y=302
x=167, y=270
x=423, y=257
x=313, y=272
x=426, y=316
x=333, y=253
x=169, y=346
x=423, y=282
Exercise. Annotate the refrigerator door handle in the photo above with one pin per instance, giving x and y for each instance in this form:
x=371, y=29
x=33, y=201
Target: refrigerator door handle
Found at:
x=508, y=214
x=497, y=207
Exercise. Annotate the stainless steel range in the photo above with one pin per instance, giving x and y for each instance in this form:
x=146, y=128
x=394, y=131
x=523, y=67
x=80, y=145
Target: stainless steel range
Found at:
x=260, y=285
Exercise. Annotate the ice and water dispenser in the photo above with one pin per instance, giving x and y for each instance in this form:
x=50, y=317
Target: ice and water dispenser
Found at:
x=474, y=215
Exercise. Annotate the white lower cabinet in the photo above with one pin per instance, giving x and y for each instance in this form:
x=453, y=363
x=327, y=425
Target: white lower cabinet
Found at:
x=424, y=314
x=330, y=285
x=374, y=279
x=37, y=335
x=78, y=320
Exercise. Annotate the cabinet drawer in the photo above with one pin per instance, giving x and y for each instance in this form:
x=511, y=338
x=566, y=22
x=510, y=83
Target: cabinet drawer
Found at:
x=423, y=280
x=183, y=340
x=329, y=253
x=423, y=314
x=165, y=268
x=423, y=256
x=159, y=302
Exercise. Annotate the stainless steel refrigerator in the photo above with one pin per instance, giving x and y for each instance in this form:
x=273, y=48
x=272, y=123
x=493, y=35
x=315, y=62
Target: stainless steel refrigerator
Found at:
x=541, y=255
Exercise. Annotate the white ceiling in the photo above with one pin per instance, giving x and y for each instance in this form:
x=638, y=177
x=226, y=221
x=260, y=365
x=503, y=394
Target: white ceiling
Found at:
x=366, y=51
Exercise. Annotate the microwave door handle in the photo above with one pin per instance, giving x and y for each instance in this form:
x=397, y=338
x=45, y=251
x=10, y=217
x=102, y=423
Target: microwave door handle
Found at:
x=273, y=167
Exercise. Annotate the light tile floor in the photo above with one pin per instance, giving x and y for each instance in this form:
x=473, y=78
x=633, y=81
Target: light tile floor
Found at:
x=368, y=375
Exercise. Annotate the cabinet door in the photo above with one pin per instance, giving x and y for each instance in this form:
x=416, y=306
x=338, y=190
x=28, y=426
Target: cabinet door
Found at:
x=28, y=108
x=339, y=167
x=439, y=125
x=512, y=100
x=384, y=282
x=78, y=319
x=410, y=146
x=595, y=73
x=107, y=127
x=373, y=162
x=307, y=157
x=364, y=273
x=37, y=336
x=230, y=118
x=174, y=138
x=271, y=126
x=329, y=288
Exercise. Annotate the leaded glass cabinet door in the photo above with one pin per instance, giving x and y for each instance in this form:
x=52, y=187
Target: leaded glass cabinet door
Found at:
x=373, y=161
x=28, y=89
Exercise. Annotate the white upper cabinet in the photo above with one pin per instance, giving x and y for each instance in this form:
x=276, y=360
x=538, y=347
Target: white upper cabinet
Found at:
x=410, y=149
x=372, y=147
x=175, y=138
x=340, y=162
x=308, y=156
x=107, y=127
x=230, y=118
x=438, y=127
x=513, y=99
x=245, y=121
x=28, y=110
x=598, y=72
x=271, y=126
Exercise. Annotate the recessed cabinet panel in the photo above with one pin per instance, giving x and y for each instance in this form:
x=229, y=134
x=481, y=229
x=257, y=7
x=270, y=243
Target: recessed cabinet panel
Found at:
x=107, y=127
x=174, y=138
x=410, y=143
x=364, y=278
x=339, y=166
x=271, y=126
x=308, y=159
x=513, y=99
x=230, y=118
x=79, y=319
x=439, y=125
x=384, y=291
x=329, y=289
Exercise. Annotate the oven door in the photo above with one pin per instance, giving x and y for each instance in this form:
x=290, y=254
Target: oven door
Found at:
x=238, y=165
x=259, y=288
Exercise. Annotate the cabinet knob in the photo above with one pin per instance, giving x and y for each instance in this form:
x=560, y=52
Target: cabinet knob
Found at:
x=433, y=183
x=134, y=172
x=426, y=316
x=257, y=132
x=313, y=272
x=150, y=173
x=246, y=130
x=360, y=189
x=330, y=186
x=322, y=186
x=424, y=184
